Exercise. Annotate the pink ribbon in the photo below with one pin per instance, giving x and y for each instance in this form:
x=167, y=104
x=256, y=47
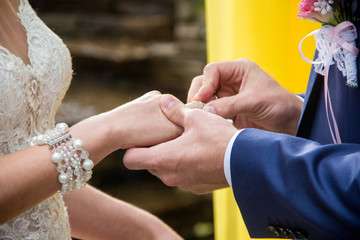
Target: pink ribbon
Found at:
x=337, y=41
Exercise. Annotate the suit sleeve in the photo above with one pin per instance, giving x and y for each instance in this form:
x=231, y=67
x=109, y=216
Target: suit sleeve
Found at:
x=289, y=182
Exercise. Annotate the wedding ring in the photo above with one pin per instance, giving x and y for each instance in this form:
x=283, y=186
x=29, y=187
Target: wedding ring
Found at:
x=195, y=104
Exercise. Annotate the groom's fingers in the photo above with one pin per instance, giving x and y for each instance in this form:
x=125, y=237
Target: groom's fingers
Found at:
x=173, y=109
x=160, y=160
x=146, y=158
x=194, y=87
x=137, y=159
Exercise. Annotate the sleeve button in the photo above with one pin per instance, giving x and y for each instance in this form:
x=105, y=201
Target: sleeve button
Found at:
x=290, y=234
x=273, y=231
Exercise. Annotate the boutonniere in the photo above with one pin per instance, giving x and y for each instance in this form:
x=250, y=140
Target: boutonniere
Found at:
x=335, y=43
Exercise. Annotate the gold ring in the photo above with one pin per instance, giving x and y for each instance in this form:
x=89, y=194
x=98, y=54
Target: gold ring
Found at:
x=195, y=104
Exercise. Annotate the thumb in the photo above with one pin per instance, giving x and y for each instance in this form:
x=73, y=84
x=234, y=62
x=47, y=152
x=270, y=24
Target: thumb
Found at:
x=228, y=107
x=173, y=109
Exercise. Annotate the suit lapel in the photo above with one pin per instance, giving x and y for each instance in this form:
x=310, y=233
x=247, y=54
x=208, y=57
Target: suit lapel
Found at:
x=310, y=93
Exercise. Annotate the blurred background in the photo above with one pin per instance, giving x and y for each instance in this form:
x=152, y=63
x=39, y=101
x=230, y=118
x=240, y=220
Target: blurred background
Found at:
x=121, y=50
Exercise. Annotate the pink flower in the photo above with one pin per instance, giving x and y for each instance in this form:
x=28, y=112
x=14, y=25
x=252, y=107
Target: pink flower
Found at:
x=316, y=11
x=306, y=8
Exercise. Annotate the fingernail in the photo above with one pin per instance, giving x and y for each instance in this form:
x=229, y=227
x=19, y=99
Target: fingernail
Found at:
x=168, y=102
x=210, y=109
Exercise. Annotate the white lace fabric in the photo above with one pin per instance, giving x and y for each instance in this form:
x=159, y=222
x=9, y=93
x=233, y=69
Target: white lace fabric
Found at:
x=29, y=98
x=345, y=60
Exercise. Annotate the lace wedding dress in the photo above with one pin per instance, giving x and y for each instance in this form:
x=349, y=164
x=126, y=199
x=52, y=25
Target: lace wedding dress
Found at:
x=29, y=97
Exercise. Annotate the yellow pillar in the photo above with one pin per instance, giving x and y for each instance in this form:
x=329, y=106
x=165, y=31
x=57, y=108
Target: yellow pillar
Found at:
x=267, y=32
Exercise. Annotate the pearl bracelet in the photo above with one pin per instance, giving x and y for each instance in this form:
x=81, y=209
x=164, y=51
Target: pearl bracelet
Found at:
x=73, y=163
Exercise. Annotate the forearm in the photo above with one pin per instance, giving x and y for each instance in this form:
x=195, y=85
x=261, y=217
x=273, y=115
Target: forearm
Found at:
x=29, y=176
x=95, y=215
x=26, y=178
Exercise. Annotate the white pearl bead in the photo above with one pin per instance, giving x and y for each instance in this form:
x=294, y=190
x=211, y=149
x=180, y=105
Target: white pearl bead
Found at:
x=78, y=144
x=57, y=157
x=62, y=127
x=40, y=139
x=63, y=178
x=88, y=164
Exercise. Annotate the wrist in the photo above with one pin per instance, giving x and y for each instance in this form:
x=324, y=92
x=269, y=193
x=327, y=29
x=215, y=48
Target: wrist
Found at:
x=120, y=128
x=95, y=134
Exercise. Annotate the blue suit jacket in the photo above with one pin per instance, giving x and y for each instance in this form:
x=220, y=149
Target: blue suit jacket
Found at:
x=304, y=185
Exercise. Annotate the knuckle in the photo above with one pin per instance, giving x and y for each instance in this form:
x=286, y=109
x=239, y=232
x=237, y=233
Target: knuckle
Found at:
x=149, y=97
x=197, y=79
x=244, y=60
x=157, y=162
x=247, y=62
x=155, y=92
x=169, y=181
x=210, y=66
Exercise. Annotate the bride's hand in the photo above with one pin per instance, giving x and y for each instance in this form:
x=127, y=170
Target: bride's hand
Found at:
x=139, y=123
x=143, y=123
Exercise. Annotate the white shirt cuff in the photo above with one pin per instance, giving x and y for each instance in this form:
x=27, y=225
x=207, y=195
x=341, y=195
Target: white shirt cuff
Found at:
x=301, y=98
x=227, y=157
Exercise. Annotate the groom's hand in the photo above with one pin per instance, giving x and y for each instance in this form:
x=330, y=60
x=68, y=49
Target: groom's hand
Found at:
x=193, y=161
x=248, y=95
